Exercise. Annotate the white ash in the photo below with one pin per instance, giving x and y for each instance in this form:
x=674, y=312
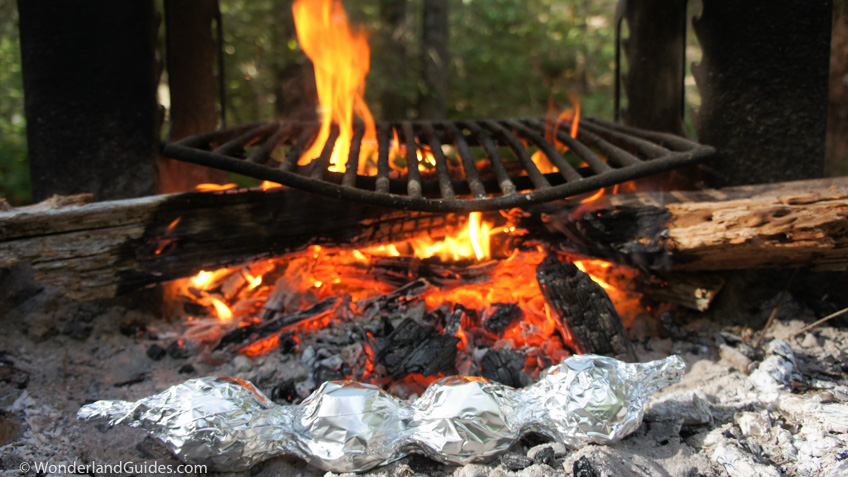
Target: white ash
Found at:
x=789, y=417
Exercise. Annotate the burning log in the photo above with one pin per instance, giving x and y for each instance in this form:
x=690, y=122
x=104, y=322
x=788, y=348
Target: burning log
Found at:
x=106, y=248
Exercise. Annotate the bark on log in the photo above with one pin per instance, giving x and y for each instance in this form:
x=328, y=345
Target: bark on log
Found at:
x=792, y=224
x=101, y=249
x=106, y=248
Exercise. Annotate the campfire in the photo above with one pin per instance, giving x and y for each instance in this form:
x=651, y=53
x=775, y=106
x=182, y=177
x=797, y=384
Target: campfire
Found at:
x=548, y=274
x=413, y=311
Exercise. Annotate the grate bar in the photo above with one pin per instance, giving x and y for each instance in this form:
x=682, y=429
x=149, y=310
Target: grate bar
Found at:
x=413, y=187
x=262, y=154
x=477, y=189
x=518, y=148
x=465, y=178
x=595, y=163
x=383, y=158
x=352, y=165
x=322, y=163
x=442, y=172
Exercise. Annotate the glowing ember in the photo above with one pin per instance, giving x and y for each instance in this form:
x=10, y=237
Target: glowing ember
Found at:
x=342, y=59
x=494, y=304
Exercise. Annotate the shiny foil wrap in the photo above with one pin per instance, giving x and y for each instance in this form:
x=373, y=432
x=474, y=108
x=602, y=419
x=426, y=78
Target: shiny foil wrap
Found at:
x=346, y=426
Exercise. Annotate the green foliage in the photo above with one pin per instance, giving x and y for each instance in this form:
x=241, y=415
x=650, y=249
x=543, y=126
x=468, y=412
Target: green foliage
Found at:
x=14, y=168
x=507, y=57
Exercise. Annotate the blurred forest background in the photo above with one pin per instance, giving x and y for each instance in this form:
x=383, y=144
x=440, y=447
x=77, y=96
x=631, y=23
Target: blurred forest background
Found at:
x=506, y=58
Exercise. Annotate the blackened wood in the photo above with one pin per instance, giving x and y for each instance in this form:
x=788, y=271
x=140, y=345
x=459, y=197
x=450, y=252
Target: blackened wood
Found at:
x=257, y=331
x=412, y=348
x=90, y=96
x=585, y=308
x=505, y=366
x=432, y=100
x=763, y=80
x=655, y=52
x=108, y=248
x=193, y=86
x=791, y=224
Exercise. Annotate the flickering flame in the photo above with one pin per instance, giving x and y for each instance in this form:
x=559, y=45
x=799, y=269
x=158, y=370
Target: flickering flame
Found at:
x=214, y=187
x=570, y=116
x=221, y=309
x=472, y=242
x=342, y=59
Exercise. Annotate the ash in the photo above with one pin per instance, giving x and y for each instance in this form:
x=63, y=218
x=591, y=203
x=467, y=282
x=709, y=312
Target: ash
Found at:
x=781, y=409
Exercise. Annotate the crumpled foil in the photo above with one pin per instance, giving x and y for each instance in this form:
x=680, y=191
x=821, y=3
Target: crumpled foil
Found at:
x=345, y=426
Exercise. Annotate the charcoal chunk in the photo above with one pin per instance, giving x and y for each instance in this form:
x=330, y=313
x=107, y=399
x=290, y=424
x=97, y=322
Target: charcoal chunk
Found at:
x=500, y=316
x=505, y=366
x=156, y=352
x=583, y=468
x=516, y=462
x=412, y=348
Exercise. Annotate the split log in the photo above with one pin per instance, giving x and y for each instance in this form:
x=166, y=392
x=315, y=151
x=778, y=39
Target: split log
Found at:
x=101, y=249
x=791, y=224
x=585, y=308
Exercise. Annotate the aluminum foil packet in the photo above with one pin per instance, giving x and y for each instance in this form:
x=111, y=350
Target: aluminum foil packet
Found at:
x=346, y=426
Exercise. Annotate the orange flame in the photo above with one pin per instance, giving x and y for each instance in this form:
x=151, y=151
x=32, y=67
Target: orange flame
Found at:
x=342, y=60
x=223, y=311
x=214, y=187
x=472, y=242
x=571, y=116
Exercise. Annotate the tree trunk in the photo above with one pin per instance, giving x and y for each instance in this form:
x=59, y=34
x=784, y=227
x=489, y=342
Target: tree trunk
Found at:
x=837, y=114
x=432, y=101
x=655, y=54
x=393, y=45
x=763, y=80
x=90, y=96
x=193, y=88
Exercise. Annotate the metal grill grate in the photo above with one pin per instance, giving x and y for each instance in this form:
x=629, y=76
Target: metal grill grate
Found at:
x=488, y=164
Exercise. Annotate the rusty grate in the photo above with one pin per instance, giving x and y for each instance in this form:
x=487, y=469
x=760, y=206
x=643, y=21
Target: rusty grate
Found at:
x=472, y=165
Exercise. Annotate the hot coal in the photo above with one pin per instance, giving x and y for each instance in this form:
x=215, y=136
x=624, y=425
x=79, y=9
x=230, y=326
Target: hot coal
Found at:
x=412, y=348
x=505, y=366
x=500, y=316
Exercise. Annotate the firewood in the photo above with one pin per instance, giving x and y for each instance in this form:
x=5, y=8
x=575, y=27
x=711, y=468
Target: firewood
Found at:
x=584, y=306
x=103, y=249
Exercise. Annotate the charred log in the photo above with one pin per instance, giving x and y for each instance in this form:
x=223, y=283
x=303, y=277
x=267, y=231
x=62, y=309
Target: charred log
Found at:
x=585, y=308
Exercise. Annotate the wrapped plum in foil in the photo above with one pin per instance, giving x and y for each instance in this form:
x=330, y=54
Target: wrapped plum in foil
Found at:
x=346, y=426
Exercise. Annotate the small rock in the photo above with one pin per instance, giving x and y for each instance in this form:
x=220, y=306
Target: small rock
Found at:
x=515, y=462
x=691, y=407
x=753, y=424
x=156, y=352
x=810, y=341
x=775, y=372
x=583, y=468
x=735, y=358
x=542, y=454
x=241, y=364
